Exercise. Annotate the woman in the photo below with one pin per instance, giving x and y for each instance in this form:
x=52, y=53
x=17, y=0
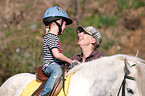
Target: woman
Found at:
x=89, y=40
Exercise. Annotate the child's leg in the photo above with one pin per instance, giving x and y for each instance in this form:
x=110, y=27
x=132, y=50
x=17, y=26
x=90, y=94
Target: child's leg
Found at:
x=55, y=73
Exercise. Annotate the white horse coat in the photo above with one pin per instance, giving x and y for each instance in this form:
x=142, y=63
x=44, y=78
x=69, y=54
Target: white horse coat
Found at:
x=100, y=77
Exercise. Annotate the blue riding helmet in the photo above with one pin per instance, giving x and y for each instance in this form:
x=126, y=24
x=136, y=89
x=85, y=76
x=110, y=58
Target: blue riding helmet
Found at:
x=55, y=13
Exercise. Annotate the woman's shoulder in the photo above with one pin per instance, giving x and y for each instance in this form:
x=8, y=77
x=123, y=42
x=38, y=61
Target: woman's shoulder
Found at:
x=76, y=57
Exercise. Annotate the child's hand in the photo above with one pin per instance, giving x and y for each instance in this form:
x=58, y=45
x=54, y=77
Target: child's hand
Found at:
x=74, y=63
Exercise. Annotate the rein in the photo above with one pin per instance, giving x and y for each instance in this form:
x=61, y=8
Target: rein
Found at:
x=63, y=78
x=63, y=69
x=123, y=84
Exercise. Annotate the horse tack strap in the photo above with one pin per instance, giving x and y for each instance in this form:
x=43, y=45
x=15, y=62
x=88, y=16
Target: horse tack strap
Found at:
x=123, y=84
x=129, y=77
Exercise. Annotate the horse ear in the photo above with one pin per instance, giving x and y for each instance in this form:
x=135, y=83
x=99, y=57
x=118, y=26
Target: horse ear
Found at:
x=127, y=66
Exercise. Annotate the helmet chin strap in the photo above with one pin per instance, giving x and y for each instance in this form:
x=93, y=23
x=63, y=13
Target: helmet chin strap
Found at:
x=59, y=26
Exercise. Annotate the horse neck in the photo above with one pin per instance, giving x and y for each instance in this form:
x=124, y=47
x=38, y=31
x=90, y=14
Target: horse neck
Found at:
x=140, y=77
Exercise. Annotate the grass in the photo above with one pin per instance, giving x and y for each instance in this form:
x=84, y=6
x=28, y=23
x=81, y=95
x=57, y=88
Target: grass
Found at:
x=69, y=41
x=100, y=21
x=138, y=4
x=108, y=21
x=126, y=4
x=108, y=44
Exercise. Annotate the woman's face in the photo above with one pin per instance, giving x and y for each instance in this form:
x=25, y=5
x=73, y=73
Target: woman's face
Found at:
x=84, y=38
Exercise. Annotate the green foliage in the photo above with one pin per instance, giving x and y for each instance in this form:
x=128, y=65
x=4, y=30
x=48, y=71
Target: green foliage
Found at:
x=122, y=4
x=34, y=25
x=21, y=52
x=138, y=4
x=100, y=20
x=26, y=7
x=87, y=21
x=108, y=21
x=69, y=41
x=108, y=44
x=8, y=33
x=126, y=4
x=83, y=1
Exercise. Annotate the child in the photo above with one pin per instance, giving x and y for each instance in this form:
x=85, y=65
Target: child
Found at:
x=55, y=20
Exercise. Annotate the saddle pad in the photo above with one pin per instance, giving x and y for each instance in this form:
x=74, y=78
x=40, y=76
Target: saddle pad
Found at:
x=34, y=85
x=30, y=88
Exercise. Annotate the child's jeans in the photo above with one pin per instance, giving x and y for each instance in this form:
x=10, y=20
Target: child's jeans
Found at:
x=55, y=72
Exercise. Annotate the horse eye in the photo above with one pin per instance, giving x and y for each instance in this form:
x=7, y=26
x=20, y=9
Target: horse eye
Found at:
x=130, y=90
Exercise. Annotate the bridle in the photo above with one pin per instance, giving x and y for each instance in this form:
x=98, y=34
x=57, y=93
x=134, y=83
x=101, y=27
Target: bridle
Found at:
x=124, y=80
x=123, y=85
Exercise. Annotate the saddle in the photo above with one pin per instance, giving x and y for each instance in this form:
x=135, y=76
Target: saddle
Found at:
x=43, y=78
x=40, y=75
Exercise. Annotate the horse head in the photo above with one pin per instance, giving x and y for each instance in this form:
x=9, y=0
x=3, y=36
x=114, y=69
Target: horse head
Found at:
x=133, y=76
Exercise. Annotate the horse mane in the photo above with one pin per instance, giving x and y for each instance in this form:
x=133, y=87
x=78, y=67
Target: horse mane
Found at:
x=99, y=72
x=75, y=68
